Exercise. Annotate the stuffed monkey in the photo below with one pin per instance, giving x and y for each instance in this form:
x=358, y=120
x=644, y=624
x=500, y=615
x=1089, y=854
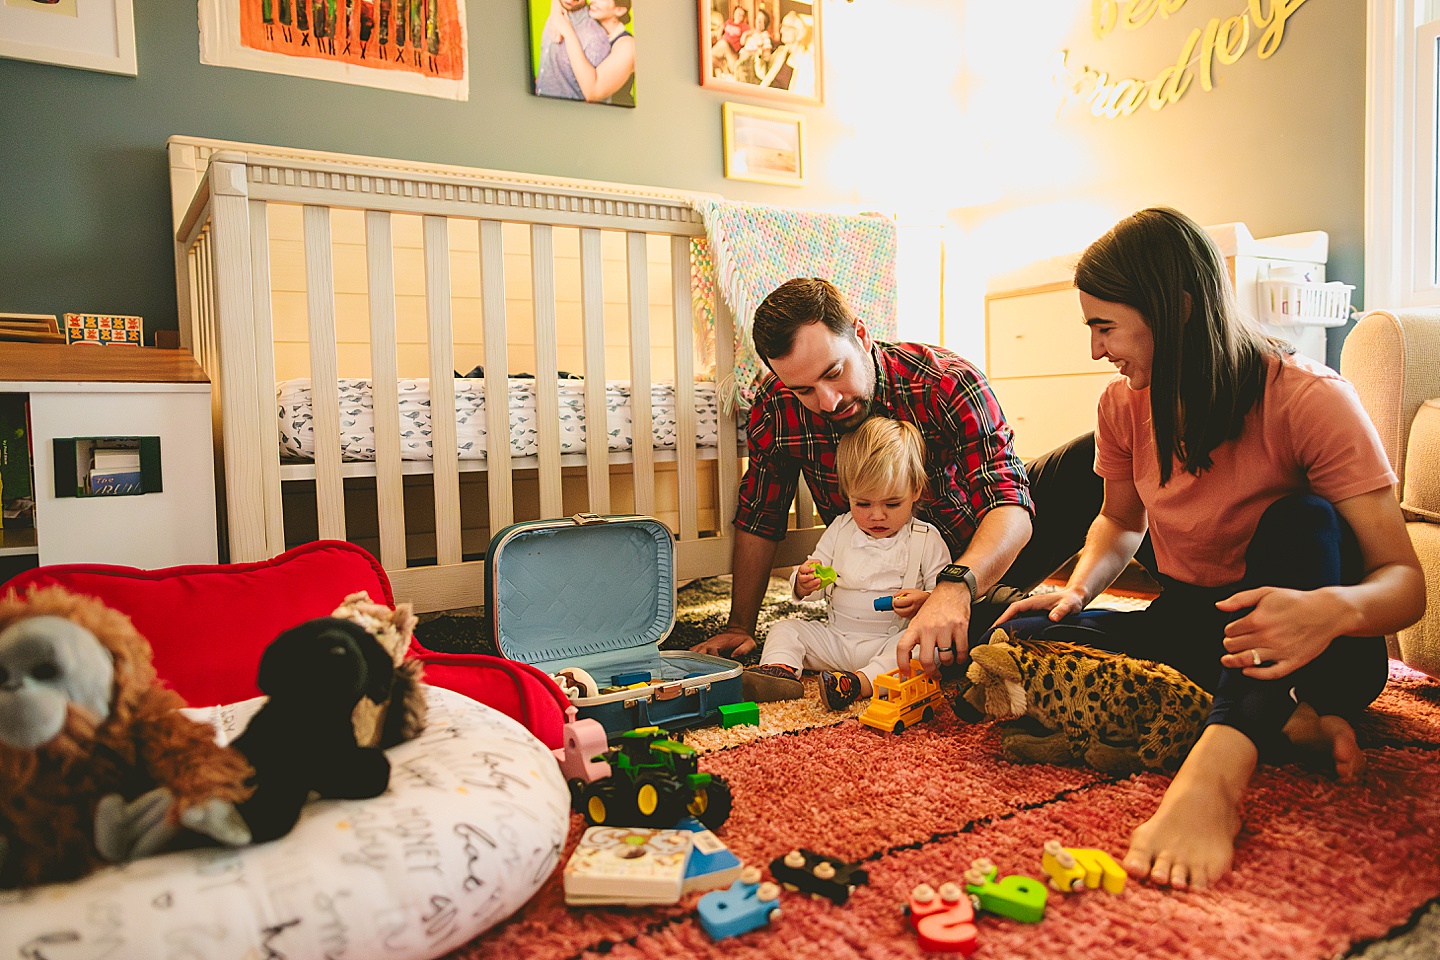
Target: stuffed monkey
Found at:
x=97, y=764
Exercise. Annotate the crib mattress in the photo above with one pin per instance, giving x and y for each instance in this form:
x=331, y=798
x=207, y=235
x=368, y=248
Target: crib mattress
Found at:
x=357, y=418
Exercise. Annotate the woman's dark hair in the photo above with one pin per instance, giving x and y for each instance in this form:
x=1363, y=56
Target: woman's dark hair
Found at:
x=1208, y=368
x=791, y=306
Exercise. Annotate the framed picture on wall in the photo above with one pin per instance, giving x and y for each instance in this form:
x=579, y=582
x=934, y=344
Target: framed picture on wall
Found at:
x=769, y=48
x=583, y=51
x=764, y=145
x=89, y=34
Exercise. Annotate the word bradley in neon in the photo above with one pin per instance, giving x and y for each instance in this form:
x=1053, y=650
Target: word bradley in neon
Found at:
x=1222, y=40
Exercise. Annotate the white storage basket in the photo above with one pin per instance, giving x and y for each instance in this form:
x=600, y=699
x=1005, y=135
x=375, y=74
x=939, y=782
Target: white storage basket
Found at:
x=1298, y=302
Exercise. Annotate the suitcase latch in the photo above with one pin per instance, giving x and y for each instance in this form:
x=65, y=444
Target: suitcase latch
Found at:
x=587, y=519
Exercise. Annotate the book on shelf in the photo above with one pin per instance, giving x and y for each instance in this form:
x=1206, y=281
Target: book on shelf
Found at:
x=115, y=484
x=627, y=865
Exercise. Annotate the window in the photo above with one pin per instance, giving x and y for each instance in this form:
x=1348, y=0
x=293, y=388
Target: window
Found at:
x=1402, y=204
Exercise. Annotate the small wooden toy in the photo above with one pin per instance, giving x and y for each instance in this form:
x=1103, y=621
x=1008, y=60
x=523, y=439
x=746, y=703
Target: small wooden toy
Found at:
x=884, y=603
x=1077, y=869
x=818, y=875
x=944, y=920
x=745, y=905
x=734, y=714
x=1016, y=896
x=631, y=678
x=899, y=703
x=826, y=575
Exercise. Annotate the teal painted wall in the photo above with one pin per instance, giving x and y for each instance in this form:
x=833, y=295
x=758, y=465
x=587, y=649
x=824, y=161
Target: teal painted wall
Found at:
x=919, y=109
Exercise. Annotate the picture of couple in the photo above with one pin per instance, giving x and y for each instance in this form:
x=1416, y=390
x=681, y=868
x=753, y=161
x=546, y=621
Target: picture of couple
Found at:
x=765, y=46
x=584, y=51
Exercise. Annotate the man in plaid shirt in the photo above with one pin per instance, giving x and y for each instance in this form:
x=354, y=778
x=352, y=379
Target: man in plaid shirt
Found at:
x=827, y=375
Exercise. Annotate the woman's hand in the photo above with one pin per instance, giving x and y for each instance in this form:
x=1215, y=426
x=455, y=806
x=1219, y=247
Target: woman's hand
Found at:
x=806, y=582
x=1285, y=630
x=1057, y=605
x=907, y=603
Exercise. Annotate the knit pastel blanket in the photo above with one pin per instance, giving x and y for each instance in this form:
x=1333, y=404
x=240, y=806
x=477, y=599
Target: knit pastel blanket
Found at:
x=755, y=248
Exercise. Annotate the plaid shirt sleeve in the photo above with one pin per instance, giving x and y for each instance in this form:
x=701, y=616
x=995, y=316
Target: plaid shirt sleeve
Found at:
x=992, y=473
x=770, y=481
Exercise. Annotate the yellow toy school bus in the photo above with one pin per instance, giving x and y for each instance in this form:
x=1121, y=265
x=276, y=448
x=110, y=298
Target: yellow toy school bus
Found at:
x=899, y=703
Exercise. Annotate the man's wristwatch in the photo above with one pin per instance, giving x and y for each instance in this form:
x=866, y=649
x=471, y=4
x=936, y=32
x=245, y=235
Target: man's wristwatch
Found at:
x=959, y=573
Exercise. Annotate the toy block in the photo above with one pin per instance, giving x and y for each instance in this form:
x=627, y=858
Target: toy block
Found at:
x=1065, y=873
x=734, y=714
x=1101, y=870
x=818, y=875
x=631, y=679
x=884, y=603
x=944, y=920
x=743, y=906
x=1017, y=896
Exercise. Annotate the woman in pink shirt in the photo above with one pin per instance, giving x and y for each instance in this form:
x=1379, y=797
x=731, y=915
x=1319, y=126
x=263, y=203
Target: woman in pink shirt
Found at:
x=1277, y=537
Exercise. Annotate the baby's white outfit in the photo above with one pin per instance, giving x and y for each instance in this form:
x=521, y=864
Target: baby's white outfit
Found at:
x=855, y=636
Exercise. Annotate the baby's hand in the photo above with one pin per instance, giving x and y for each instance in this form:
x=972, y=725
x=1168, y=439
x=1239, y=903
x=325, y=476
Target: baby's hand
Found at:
x=908, y=602
x=806, y=582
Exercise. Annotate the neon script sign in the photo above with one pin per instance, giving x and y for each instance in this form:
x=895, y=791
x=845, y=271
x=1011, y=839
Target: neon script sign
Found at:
x=1221, y=41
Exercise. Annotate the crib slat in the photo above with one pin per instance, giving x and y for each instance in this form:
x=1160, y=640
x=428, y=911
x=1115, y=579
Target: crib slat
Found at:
x=442, y=390
x=729, y=464
x=641, y=418
x=597, y=418
x=547, y=368
x=240, y=387
x=324, y=388
x=686, y=468
x=265, y=370
x=497, y=377
x=384, y=391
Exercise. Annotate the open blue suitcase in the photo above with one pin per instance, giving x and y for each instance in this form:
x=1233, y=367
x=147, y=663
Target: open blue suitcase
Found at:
x=598, y=593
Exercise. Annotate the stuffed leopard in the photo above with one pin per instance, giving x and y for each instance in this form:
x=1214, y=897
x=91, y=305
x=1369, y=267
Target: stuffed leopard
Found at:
x=1118, y=715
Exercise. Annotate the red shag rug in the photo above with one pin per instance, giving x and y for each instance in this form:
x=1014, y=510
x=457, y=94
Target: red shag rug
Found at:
x=1319, y=867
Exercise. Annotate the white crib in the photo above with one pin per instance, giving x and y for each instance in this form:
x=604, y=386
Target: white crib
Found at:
x=294, y=264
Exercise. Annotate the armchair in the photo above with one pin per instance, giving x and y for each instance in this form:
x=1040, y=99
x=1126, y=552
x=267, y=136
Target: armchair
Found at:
x=1393, y=359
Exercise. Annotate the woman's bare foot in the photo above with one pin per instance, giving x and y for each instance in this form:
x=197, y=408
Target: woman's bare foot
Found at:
x=1190, y=839
x=1329, y=739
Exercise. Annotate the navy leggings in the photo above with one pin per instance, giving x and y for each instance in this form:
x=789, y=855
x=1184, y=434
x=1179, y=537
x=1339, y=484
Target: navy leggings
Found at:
x=1300, y=543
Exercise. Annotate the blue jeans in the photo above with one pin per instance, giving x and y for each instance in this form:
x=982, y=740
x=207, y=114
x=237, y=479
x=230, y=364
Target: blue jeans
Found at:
x=1302, y=543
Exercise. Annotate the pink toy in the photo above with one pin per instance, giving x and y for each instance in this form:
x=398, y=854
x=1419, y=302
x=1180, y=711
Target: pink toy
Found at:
x=584, y=740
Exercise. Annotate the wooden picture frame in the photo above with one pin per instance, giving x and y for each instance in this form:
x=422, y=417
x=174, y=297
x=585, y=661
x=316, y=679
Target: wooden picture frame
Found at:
x=88, y=34
x=30, y=328
x=763, y=145
x=762, y=48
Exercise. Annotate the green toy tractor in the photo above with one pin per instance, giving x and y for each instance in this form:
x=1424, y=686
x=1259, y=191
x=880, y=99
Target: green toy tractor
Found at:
x=653, y=782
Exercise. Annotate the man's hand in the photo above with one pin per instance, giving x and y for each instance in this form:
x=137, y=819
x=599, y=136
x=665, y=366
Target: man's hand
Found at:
x=939, y=634
x=731, y=642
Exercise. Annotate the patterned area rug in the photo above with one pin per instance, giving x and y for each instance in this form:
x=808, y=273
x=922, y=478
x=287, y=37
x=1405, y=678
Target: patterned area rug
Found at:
x=1322, y=870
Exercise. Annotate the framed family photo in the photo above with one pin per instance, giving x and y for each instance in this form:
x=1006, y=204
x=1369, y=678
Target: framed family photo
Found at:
x=583, y=51
x=89, y=34
x=764, y=145
x=768, y=48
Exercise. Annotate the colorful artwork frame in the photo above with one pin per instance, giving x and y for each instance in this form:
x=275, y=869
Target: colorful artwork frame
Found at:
x=775, y=51
x=764, y=145
x=91, y=35
x=411, y=46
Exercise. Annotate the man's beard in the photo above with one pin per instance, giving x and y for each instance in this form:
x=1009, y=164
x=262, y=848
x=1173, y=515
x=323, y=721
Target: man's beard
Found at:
x=855, y=419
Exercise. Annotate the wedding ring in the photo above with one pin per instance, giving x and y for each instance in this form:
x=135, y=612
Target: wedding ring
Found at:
x=940, y=650
x=1255, y=656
